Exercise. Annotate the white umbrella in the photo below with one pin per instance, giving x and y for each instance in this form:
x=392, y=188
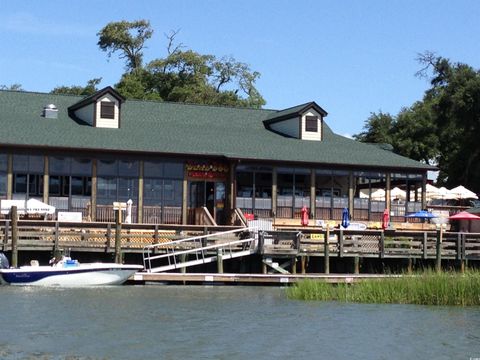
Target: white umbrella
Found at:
x=33, y=206
x=128, y=215
x=378, y=195
x=397, y=193
x=444, y=193
x=463, y=193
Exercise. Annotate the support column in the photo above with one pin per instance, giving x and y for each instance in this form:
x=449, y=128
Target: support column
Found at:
x=388, y=180
x=140, y=193
x=93, y=200
x=9, y=176
x=274, y=192
x=351, y=193
x=313, y=195
x=185, y=198
x=231, y=193
x=46, y=179
x=424, y=191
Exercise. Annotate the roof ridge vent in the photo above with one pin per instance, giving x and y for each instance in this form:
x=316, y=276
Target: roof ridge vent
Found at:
x=50, y=111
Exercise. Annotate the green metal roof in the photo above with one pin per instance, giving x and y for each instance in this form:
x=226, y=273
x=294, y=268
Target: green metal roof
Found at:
x=176, y=128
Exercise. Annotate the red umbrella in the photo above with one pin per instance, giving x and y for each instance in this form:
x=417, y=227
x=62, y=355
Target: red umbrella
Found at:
x=385, y=219
x=463, y=215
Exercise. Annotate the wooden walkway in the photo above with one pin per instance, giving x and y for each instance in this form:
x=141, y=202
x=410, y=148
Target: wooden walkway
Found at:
x=247, y=279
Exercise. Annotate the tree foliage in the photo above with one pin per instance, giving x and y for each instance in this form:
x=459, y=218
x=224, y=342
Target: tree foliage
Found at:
x=188, y=76
x=442, y=128
x=86, y=90
x=127, y=38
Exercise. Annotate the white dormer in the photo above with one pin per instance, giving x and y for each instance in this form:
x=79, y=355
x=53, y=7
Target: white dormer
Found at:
x=303, y=122
x=101, y=109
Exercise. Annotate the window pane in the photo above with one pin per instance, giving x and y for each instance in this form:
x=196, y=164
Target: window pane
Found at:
x=107, y=110
x=127, y=189
x=107, y=167
x=128, y=168
x=3, y=162
x=311, y=123
x=20, y=184
x=35, y=164
x=54, y=185
x=107, y=188
x=3, y=184
x=81, y=166
x=20, y=163
x=173, y=170
x=59, y=165
x=152, y=169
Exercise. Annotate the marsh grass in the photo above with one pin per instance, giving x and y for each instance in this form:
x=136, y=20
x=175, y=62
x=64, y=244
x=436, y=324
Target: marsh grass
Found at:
x=425, y=288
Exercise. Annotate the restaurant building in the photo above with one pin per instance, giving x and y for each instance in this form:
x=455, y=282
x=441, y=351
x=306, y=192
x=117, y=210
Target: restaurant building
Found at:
x=172, y=159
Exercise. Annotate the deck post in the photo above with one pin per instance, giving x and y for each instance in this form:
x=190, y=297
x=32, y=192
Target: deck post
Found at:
x=340, y=243
x=326, y=252
x=14, y=218
x=438, y=263
x=55, y=244
x=294, y=265
x=425, y=238
x=183, y=259
x=118, y=236
x=410, y=266
x=356, y=265
x=303, y=263
x=219, y=261
x=6, y=234
x=381, y=245
x=264, y=266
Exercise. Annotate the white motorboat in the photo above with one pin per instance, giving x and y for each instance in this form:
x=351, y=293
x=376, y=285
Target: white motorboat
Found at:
x=67, y=272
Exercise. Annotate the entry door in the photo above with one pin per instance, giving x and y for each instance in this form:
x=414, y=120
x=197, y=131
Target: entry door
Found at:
x=209, y=194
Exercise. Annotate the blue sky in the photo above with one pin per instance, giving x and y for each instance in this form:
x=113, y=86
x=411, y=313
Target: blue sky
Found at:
x=351, y=57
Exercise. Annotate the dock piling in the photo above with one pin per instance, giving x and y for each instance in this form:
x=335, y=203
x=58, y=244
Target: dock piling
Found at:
x=14, y=218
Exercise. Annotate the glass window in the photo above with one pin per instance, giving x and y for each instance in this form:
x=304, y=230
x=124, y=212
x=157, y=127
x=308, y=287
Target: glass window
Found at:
x=59, y=165
x=81, y=166
x=311, y=123
x=3, y=162
x=128, y=168
x=107, y=167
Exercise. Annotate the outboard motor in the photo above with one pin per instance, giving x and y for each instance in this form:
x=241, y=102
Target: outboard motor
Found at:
x=4, y=264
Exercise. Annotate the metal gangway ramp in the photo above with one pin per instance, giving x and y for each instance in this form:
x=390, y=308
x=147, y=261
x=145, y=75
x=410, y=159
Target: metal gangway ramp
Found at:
x=199, y=249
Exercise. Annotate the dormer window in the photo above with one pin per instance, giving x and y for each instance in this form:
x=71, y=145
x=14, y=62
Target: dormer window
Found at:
x=102, y=109
x=311, y=123
x=107, y=110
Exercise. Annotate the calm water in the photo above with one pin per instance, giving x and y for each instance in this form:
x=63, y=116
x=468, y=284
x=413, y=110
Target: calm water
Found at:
x=170, y=322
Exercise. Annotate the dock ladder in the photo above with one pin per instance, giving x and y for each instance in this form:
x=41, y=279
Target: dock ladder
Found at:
x=199, y=249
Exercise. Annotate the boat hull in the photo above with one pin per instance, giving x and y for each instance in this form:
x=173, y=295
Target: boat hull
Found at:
x=95, y=274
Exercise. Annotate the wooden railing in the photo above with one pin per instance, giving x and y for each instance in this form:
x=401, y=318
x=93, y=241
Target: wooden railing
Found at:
x=374, y=244
x=92, y=236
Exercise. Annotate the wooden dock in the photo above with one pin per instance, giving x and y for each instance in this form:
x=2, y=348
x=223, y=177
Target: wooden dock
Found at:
x=248, y=279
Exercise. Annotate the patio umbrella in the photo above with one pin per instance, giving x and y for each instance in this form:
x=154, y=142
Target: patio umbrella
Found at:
x=422, y=214
x=462, y=192
x=378, y=195
x=385, y=219
x=345, y=218
x=463, y=215
x=397, y=193
x=128, y=217
x=444, y=193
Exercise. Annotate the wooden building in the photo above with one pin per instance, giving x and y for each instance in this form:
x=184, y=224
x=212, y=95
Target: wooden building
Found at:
x=83, y=154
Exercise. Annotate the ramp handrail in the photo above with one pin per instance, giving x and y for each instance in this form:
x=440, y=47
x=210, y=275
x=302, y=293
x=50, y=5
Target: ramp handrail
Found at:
x=198, y=246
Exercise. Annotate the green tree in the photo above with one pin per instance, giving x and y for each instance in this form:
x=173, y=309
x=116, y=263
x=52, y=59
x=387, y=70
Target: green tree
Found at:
x=127, y=38
x=455, y=99
x=377, y=129
x=414, y=133
x=86, y=90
